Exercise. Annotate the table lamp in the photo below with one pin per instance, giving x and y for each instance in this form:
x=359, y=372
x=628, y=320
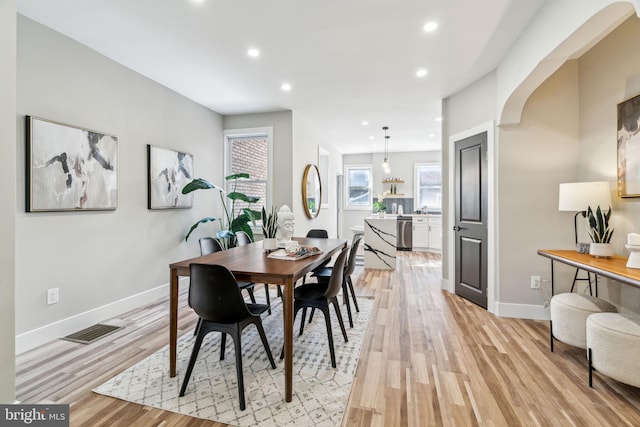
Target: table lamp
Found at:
x=578, y=196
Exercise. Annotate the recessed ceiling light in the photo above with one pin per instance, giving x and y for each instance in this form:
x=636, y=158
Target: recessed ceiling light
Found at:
x=253, y=52
x=438, y=119
x=421, y=72
x=365, y=123
x=286, y=87
x=372, y=138
x=430, y=26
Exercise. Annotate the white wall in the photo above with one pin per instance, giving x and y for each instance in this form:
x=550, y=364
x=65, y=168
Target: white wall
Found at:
x=8, y=196
x=97, y=258
x=281, y=122
x=610, y=74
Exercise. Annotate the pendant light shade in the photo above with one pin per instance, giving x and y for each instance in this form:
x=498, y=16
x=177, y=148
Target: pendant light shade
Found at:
x=385, y=164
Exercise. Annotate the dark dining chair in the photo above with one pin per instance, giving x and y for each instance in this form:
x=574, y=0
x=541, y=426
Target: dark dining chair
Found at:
x=215, y=296
x=324, y=274
x=320, y=296
x=242, y=239
x=317, y=233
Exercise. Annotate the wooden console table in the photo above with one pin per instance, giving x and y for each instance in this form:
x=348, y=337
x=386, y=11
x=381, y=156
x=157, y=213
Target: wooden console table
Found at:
x=613, y=268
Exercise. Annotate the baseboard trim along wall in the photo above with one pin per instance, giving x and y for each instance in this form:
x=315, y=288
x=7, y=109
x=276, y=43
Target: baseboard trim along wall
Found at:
x=522, y=311
x=31, y=339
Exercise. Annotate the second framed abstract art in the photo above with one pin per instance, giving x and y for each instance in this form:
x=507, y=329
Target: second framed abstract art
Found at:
x=168, y=172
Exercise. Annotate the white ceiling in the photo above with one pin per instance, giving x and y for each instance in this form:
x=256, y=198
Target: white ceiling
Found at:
x=347, y=60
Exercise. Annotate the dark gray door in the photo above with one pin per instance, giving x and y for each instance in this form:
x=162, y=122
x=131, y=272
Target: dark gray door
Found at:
x=471, y=218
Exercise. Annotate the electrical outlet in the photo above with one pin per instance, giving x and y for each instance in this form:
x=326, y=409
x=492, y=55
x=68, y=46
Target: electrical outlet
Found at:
x=53, y=296
x=535, y=282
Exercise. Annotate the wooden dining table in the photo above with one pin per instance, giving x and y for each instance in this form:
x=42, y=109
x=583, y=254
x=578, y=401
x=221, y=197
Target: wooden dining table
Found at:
x=250, y=263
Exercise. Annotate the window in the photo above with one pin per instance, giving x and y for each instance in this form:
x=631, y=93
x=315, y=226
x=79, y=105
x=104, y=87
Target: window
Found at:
x=249, y=151
x=428, y=191
x=358, y=186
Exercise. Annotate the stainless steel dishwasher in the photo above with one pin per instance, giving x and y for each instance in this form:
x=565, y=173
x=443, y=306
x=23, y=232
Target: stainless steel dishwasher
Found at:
x=405, y=233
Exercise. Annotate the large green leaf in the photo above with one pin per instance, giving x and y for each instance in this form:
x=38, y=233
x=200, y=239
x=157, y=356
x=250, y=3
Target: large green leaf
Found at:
x=236, y=176
x=234, y=195
x=199, y=184
x=202, y=221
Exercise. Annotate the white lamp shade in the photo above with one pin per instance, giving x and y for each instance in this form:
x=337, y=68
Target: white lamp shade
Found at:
x=578, y=196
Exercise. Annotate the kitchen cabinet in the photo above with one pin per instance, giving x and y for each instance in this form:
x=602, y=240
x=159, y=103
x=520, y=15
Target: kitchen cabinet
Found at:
x=427, y=233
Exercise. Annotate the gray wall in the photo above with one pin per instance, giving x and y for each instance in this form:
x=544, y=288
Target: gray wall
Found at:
x=97, y=258
x=8, y=196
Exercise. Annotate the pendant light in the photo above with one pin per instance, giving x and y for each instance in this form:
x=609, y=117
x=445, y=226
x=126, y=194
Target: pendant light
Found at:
x=385, y=164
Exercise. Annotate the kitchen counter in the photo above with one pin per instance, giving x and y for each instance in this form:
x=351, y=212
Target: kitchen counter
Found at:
x=380, y=238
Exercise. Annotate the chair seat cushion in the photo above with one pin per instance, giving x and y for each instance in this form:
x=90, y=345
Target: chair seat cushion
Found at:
x=310, y=291
x=569, y=312
x=614, y=340
x=257, y=309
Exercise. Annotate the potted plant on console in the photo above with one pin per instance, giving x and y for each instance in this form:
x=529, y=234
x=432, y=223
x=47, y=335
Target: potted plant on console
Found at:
x=600, y=232
x=228, y=224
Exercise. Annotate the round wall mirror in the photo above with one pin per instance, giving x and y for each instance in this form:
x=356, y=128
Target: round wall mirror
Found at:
x=311, y=191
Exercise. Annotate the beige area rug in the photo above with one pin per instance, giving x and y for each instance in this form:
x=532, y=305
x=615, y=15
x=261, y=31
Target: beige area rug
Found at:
x=320, y=392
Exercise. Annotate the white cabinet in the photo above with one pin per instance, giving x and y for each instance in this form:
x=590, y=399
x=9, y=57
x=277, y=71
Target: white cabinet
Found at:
x=427, y=233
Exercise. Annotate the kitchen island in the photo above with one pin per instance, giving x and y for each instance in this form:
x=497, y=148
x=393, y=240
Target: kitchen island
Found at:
x=380, y=239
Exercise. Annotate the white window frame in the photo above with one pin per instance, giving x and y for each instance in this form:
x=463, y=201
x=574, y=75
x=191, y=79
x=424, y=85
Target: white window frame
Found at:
x=267, y=132
x=347, y=205
x=416, y=181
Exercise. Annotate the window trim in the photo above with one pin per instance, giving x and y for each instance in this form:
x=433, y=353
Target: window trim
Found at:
x=416, y=181
x=347, y=205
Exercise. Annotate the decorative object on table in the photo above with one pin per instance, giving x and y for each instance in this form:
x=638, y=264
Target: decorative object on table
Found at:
x=600, y=232
x=577, y=197
x=270, y=229
x=168, y=172
x=228, y=223
x=311, y=191
x=69, y=168
x=379, y=205
x=629, y=148
x=633, y=244
x=294, y=253
x=385, y=164
x=286, y=225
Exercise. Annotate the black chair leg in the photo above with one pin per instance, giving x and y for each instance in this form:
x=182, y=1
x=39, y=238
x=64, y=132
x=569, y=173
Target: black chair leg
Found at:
x=266, y=292
x=313, y=310
x=280, y=292
x=336, y=306
x=327, y=321
x=304, y=316
x=345, y=293
x=223, y=345
x=197, y=329
x=252, y=297
x=353, y=294
x=590, y=369
x=551, y=334
x=192, y=362
x=238, y=346
x=265, y=343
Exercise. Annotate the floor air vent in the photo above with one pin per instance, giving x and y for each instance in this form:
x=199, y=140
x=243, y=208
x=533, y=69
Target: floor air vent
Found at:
x=92, y=333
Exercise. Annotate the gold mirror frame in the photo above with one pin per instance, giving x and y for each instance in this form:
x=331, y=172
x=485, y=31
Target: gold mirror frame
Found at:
x=311, y=191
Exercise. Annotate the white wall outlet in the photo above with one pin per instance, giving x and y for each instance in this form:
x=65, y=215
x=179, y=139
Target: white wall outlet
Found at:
x=53, y=296
x=535, y=282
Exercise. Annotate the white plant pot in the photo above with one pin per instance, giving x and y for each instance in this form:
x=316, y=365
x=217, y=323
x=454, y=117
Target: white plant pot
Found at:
x=601, y=250
x=269, y=244
x=381, y=214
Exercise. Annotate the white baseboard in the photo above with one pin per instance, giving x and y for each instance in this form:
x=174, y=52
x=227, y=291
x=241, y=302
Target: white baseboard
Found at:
x=31, y=339
x=522, y=311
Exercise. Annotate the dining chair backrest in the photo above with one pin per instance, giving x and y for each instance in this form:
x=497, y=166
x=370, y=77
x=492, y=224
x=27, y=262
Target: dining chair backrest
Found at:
x=242, y=238
x=209, y=245
x=318, y=233
x=214, y=294
x=351, y=262
x=337, y=273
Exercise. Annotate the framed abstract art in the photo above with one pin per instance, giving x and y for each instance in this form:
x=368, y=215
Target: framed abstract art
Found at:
x=168, y=172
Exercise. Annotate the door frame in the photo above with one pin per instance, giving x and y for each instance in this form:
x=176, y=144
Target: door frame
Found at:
x=492, y=232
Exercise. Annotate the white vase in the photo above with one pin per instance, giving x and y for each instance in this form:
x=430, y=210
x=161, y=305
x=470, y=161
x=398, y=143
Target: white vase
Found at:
x=601, y=250
x=381, y=214
x=269, y=244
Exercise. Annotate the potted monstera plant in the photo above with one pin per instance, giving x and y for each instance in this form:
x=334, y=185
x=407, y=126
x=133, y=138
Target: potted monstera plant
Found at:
x=229, y=224
x=600, y=232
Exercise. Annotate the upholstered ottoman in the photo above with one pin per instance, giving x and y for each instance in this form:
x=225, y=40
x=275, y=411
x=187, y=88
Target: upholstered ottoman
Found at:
x=569, y=312
x=613, y=347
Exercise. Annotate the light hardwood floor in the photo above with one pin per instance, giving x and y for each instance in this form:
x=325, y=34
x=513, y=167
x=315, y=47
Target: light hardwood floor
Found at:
x=429, y=359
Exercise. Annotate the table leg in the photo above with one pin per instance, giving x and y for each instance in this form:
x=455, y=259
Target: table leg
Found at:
x=288, y=339
x=173, y=321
